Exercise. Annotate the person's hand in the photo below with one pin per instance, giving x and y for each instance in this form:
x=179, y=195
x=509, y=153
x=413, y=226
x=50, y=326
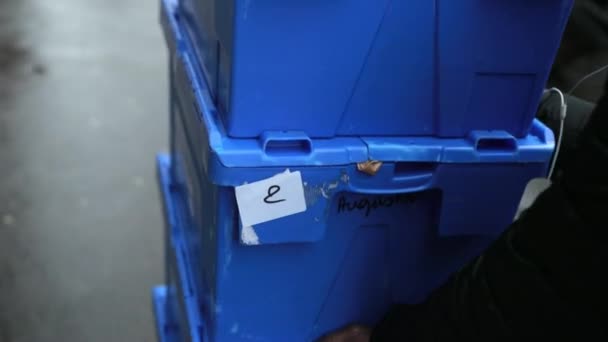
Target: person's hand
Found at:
x=352, y=333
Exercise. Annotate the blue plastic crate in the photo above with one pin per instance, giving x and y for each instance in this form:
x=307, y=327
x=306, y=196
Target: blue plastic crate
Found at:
x=373, y=67
x=439, y=203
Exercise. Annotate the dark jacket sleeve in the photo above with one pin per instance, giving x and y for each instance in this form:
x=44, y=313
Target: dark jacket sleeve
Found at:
x=545, y=278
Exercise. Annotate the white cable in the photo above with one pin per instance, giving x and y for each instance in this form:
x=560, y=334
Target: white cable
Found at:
x=562, y=98
x=557, y=148
x=589, y=75
x=563, y=111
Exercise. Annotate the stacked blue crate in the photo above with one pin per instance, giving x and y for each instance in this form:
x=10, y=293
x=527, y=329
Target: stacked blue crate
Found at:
x=422, y=67
x=365, y=240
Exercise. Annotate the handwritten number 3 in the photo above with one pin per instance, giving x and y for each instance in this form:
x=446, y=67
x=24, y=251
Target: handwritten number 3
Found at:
x=273, y=190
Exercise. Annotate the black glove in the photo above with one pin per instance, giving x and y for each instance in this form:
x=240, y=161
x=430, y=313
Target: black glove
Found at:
x=544, y=279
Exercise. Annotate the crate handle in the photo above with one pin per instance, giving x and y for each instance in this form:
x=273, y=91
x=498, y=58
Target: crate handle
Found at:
x=408, y=170
x=494, y=142
x=286, y=144
x=398, y=178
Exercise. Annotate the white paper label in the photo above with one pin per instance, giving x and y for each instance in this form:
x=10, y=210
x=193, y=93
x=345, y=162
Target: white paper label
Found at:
x=270, y=199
